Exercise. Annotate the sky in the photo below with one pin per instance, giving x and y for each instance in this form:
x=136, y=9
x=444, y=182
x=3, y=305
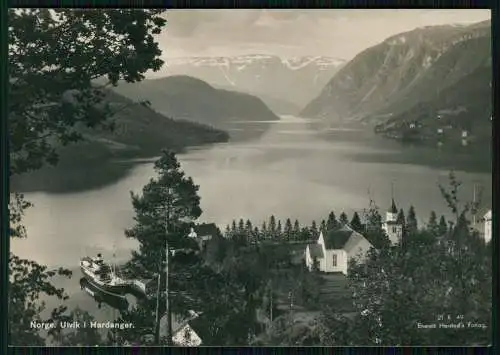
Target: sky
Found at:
x=288, y=33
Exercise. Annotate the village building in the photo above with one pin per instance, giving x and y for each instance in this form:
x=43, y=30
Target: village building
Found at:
x=391, y=226
x=203, y=233
x=487, y=227
x=335, y=248
x=187, y=330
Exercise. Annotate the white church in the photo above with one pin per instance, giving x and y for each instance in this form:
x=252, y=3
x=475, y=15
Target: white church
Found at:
x=391, y=226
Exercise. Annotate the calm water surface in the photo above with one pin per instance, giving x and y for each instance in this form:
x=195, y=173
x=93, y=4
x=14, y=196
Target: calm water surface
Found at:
x=291, y=172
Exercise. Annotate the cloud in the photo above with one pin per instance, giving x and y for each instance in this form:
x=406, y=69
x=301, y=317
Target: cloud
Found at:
x=337, y=33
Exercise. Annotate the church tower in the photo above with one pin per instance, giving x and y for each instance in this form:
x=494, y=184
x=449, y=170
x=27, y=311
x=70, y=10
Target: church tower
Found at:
x=391, y=226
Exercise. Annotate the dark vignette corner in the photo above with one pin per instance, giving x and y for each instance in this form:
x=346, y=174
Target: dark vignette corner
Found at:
x=495, y=148
x=4, y=239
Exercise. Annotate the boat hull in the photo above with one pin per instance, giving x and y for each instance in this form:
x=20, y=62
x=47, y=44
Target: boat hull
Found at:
x=114, y=300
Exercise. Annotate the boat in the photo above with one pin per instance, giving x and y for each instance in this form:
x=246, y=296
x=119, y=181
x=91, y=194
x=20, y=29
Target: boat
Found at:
x=103, y=277
x=114, y=300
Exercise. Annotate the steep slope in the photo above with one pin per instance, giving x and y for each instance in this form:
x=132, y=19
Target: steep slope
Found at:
x=106, y=156
x=191, y=99
x=402, y=71
x=296, y=80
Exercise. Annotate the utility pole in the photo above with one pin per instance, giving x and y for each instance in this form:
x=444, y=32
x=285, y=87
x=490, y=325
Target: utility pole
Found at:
x=168, y=313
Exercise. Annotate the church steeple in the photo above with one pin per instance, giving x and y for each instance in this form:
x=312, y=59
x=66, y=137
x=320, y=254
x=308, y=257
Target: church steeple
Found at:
x=393, y=208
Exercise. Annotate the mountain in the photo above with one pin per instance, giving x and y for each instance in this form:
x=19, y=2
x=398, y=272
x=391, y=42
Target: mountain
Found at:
x=192, y=99
x=285, y=84
x=106, y=156
x=424, y=68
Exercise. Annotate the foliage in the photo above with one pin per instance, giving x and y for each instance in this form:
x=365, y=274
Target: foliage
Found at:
x=356, y=223
x=343, y=220
x=54, y=54
x=397, y=290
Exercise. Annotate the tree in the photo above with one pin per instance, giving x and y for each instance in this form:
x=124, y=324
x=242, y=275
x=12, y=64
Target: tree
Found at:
x=411, y=222
x=164, y=212
x=264, y=230
x=322, y=226
x=48, y=98
x=331, y=223
x=395, y=289
x=272, y=226
x=401, y=219
x=227, y=231
x=443, y=226
x=314, y=229
x=432, y=225
x=288, y=229
x=374, y=232
x=279, y=230
x=343, y=219
x=296, y=230
x=356, y=223
x=248, y=226
x=49, y=102
x=241, y=226
x=233, y=226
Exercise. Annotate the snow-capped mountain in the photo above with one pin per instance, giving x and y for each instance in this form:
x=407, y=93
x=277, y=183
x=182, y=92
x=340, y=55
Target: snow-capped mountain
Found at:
x=285, y=84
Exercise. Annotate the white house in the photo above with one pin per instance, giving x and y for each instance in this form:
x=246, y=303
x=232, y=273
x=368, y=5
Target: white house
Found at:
x=185, y=330
x=391, y=227
x=487, y=226
x=334, y=250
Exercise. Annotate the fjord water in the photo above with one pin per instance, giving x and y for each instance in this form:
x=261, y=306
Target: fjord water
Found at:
x=291, y=171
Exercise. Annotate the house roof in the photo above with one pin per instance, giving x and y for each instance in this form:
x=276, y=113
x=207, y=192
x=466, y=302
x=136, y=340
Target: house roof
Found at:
x=205, y=229
x=315, y=250
x=343, y=238
x=337, y=238
x=354, y=241
x=391, y=222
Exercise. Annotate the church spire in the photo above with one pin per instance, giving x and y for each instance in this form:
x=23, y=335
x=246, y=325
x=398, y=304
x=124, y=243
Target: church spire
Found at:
x=393, y=208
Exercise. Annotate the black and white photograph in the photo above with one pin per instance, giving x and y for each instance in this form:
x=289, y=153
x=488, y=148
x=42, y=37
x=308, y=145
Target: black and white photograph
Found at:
x=258, y=177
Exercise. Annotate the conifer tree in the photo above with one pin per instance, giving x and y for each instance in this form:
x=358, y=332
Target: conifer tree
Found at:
x=288, y=229
x=272, y=225
x=331, y=223
x=432, y=225
x=343, y=220
x=279, y=230
x=322, y=227
x=411, y=222
x=356, y=223
x=296, y=230
x=442, y=227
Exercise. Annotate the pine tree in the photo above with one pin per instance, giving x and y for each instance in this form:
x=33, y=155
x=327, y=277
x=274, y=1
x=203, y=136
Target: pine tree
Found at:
x=279, y=230
x=314, y=229
x=248, y=226
x=233, y=226
x=442, y=227
x=263, y=230
x=432, y=225
x=411, y=222
x=356, y=223
x=343, y=220
x=227, y=232
x=272, y=225
x=241, y=225
x=401, y=219
x=331, y=223
x=322, y=227
x=296, y=230
x=288, y=229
